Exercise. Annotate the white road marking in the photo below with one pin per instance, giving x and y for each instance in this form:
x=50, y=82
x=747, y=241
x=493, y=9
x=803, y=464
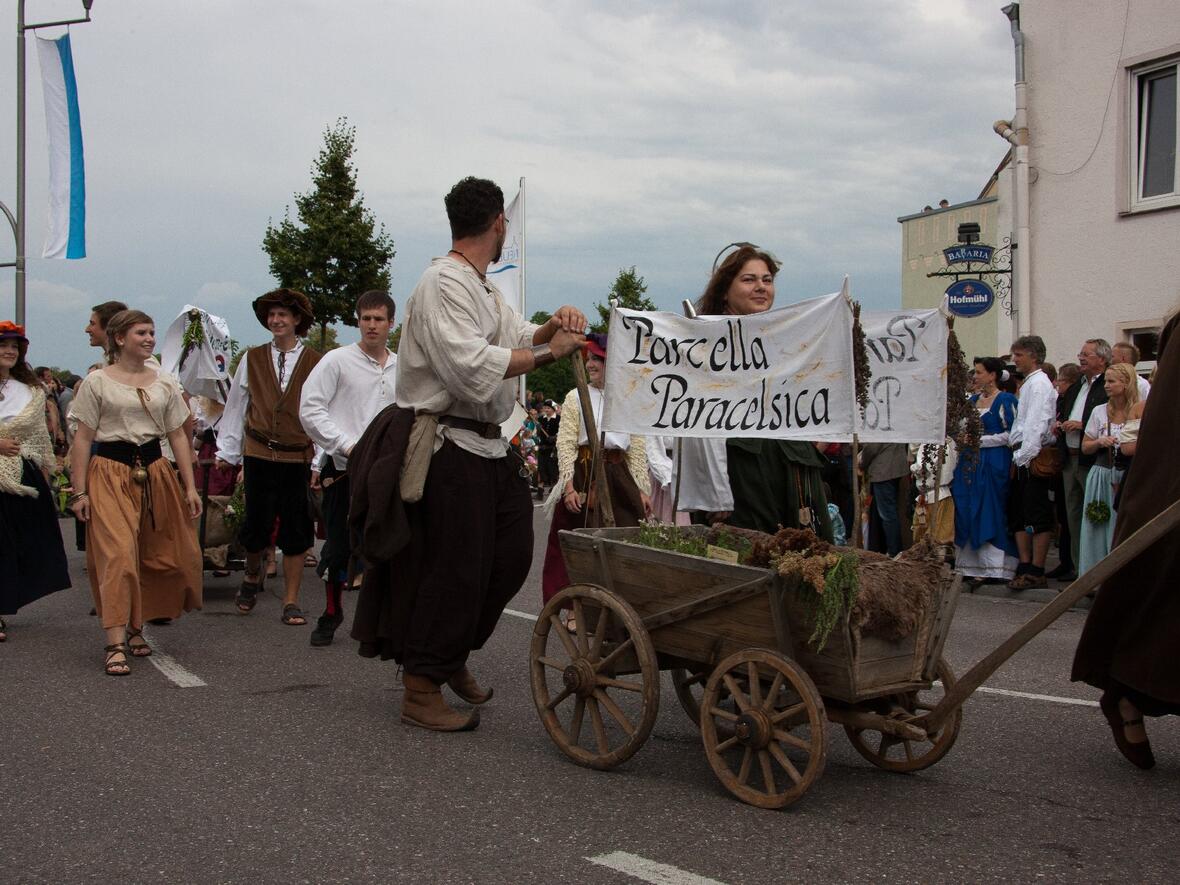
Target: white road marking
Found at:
x=1027, y=695
x=516, y=614
x=171, y=668
x=1054, y=699
x=648, y=870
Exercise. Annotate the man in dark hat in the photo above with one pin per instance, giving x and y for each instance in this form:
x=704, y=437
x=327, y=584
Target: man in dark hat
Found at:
x=471, y=545
x=260, y=430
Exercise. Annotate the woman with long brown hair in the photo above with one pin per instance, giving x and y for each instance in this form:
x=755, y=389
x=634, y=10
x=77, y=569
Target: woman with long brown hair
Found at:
x=141, y=545
x=30, y=540
x=773, y=482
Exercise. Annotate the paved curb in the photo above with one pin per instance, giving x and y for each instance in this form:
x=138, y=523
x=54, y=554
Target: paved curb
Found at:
x=1001, y=591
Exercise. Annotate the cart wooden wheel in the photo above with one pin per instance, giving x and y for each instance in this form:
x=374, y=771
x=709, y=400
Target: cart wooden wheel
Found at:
x=583, y=676
x=898, y=754
x=689, y=686
x=777, y=746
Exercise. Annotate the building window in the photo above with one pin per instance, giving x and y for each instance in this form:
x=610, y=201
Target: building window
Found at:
x=1154, y=117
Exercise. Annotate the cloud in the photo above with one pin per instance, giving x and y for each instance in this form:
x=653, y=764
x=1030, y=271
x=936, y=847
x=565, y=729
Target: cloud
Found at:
x=212, y=294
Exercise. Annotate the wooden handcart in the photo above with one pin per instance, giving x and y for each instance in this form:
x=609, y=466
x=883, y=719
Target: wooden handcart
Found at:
x=735, y=639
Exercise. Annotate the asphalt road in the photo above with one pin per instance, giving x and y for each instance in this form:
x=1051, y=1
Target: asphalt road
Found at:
x=289, y=764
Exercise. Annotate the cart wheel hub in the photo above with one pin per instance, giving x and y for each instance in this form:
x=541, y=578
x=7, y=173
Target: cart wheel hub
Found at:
x=580, y=678
x=754, y=729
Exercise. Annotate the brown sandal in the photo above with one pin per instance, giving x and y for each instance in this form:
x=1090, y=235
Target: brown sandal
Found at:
x=142, y=650
x=113, y=667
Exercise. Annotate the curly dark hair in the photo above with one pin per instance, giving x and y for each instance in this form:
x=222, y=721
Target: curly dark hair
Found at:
x=22, y=371
x=472, y=206
x=712, y=302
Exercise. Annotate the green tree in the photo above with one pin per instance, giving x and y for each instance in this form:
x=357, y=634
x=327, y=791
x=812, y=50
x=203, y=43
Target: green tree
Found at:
x=321, y=338
x=336, y=251
x=395, y=338
x=630, y=290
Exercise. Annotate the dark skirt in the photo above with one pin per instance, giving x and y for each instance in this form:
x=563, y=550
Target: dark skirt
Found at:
x=772, y=480
x=30, y=545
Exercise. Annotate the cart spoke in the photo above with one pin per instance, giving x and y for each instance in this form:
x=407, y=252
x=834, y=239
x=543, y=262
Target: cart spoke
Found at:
x=549, y=662
x=562, y=695
x=787, y=738
x=787, y=764
x=599, y=728
x=723, y=714
x=580, y=619
x=767, y=773
x=744, y=771
x=736, y=691
x=909, y=749
x=726, y=744
x=622, y=684
x=788, y=713
x=613, y=709
x=755, y=687
x=576, y=720
x=775, y=688
x=614, y=655
x=564, y=635
x=600, y=630
x=886, y=743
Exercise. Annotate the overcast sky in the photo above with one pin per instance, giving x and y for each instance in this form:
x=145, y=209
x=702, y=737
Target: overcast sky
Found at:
x=651, y=134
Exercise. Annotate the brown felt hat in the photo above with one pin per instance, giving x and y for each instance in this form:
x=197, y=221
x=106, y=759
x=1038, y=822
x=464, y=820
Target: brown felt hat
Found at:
x=294, y=301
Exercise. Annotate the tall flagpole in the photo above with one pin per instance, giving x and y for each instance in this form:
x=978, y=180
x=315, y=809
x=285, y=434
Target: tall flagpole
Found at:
x=523, y=311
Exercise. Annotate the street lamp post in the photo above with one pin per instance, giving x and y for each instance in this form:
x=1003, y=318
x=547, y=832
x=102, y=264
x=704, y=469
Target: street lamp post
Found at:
x=18, y=222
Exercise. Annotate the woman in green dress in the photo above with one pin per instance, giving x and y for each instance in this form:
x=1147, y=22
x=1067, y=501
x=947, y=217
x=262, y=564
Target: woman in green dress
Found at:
x=774, y=482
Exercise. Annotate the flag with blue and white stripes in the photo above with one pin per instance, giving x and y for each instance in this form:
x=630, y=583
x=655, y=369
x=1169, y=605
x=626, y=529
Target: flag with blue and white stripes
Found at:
x=67, y=175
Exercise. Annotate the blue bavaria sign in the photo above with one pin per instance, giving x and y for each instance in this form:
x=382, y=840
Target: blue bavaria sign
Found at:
x=969, y=298
x=978, y=254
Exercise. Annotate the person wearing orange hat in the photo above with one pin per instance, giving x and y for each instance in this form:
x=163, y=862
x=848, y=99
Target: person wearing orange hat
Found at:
x=30, y=542
x=260, y=429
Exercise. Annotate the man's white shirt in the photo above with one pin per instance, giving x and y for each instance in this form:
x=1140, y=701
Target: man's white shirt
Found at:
x=233, y=419
x=342, y=395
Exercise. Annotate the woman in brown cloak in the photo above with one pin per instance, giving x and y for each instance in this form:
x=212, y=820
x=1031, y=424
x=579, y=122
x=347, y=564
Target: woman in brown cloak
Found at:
x=1128, y=646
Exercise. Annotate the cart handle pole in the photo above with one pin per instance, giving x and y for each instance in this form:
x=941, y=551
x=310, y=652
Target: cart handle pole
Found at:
x=1107, y=568
x=597, y=469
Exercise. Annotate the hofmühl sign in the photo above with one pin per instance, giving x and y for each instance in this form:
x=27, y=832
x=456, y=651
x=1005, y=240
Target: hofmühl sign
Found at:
x=907, y=393
x=969, y=298
x=784, y=374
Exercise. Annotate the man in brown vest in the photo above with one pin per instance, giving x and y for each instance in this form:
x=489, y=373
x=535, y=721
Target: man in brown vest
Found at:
x=260, y=430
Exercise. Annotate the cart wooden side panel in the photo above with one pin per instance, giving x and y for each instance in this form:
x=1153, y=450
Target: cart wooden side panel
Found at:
x=763, y=610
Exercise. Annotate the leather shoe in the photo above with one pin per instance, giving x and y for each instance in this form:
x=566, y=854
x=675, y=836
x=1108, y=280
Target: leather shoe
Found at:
x=1138, y=754
x=424, y=707
x=1062, y=573
x=325, y=629
x=464, y=685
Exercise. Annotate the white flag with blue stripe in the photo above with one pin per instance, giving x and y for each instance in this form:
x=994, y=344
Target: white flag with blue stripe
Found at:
x=508, y=272
x=67, y=175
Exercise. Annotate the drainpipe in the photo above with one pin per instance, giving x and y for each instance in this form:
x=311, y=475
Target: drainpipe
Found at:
x=1016, y=133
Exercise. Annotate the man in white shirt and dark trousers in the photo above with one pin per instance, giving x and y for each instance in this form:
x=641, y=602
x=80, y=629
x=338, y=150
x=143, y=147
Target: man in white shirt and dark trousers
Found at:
x=471, y=544
x=260, y=430
x=343, y=393
x=1031, y=512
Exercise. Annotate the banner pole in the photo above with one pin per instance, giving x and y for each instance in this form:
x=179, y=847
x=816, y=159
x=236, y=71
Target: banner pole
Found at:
x=856, y=503
x=597, y=469
x=523, y=310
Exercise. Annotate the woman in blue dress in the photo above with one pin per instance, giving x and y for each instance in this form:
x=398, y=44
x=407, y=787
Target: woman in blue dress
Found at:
x=983, y=548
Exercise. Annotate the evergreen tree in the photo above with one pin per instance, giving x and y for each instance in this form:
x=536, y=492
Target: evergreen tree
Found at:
x=336, y=251
x=630, y=290
x=555, y=379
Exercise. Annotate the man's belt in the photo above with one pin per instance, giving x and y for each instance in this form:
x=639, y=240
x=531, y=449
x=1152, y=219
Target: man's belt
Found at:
x=271, y=444
x=483, y=428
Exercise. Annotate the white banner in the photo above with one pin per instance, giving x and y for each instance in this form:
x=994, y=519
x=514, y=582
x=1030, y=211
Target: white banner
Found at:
x=783, y=374
x=202, y=368
x=907, y=393
x=508, y=272
x=63, y=129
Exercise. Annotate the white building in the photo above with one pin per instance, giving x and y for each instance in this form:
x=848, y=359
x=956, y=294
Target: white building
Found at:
x=1093, y=192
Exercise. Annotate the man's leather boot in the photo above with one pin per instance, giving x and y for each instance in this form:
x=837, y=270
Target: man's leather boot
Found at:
x=423, y=706
x=465, y=686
